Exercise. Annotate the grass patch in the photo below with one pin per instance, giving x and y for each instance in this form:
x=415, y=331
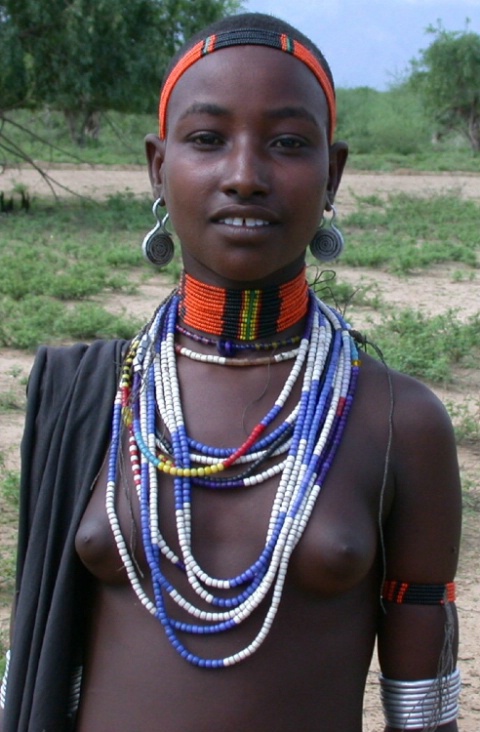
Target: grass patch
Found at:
x=407, y=233
x=433, y=160
x=39, y=319
x=10, y=484
x=428, y=347
x=10, y=401
x=57, y=257
x=9, y=499
x=121, y=140
x=341, y=295
x=466, y=423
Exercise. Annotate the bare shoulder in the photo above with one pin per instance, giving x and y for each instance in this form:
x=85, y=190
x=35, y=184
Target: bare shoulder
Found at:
x=424, y=515
x=417, y=411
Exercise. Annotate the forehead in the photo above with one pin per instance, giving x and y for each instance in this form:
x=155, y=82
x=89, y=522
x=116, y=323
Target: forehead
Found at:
x=249, y=76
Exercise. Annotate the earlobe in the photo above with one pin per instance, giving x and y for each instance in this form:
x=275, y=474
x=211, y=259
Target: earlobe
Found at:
x=338, y=159
x=155, y=152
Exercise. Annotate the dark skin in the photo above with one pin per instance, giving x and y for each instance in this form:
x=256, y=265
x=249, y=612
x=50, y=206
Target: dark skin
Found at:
x=234, y=155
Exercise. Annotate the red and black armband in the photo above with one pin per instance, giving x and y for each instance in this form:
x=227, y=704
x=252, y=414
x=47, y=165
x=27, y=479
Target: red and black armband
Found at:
x=412, y=593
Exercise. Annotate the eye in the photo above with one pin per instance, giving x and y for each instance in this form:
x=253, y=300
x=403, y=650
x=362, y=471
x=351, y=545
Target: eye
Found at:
x=289, y=142
x=205, y=139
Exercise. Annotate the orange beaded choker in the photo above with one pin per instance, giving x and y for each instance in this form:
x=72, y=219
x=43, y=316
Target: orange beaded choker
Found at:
x=243, y=315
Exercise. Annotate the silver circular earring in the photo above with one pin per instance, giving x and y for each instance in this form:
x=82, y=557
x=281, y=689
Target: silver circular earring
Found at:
x=157, y=245
x=328, y=241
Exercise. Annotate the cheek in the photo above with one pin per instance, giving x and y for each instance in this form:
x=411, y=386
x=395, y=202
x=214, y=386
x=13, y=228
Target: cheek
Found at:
x=311, y=206
x=308, y=191
x=184, y=188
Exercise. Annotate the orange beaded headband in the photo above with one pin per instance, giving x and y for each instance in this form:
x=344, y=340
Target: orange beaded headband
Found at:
x=244, y=37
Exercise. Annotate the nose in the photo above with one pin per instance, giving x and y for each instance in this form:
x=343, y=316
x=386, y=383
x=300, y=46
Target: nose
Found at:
x=246, y=171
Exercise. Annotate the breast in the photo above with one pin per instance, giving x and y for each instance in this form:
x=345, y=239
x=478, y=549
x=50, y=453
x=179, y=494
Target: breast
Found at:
x=337, y=550
x=94, y=540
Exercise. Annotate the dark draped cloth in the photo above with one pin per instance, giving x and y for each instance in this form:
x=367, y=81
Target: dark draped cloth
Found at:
x=67, y=429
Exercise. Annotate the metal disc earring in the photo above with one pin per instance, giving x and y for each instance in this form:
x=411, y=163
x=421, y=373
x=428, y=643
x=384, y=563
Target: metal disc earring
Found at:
x=157, y=245
x=328, y=241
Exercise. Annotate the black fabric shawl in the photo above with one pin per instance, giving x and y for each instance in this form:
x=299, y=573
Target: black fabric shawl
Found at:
x=67, y=429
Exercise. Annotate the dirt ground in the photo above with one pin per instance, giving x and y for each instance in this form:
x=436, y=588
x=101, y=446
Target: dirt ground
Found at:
x=432, y=292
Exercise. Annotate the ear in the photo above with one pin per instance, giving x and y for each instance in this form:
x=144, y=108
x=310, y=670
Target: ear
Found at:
x=338, y=158
x=155, y=151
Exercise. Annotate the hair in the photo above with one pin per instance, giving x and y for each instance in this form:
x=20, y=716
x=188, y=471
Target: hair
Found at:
x=246, y=29
x=258, y=21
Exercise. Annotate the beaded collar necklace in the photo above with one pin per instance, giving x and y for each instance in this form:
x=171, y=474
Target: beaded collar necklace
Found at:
x=243, y=315
x=300, y=448
x=229, y=348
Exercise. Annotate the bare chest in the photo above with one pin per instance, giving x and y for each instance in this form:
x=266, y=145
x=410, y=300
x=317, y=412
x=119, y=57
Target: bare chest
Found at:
x=230, y=528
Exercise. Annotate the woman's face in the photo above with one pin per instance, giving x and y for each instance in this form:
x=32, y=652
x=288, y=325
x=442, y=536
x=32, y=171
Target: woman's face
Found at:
x=245, y=166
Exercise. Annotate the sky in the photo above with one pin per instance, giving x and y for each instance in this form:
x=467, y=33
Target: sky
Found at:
x=371, y=42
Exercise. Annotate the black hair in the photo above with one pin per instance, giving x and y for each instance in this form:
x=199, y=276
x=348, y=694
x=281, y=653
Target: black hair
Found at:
x=257, y=21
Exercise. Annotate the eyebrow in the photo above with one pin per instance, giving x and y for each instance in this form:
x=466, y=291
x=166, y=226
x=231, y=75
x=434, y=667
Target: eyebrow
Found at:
x=292, y=112
x=216, y=110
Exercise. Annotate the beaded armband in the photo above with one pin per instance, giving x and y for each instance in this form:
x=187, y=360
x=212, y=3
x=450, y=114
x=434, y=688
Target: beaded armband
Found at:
x=412, y=593
x=424, y=704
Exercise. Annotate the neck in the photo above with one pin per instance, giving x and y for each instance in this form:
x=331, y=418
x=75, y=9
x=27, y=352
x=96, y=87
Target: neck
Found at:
x=243, y=315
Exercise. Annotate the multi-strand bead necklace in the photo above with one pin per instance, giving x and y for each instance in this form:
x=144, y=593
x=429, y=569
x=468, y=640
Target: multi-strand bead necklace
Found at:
x=298, y=448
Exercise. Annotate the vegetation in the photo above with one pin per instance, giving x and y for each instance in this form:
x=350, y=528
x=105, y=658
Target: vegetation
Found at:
x=120, y=143
x=82, y=249
x=428, y=347
x=446, y=78
x=393, y=129
x=376, y=122
x=427, y=121
x=9, y=483
x=85, y=250
x=83, y=57
x=407, y=233
x=379, y=137
x=466, y=422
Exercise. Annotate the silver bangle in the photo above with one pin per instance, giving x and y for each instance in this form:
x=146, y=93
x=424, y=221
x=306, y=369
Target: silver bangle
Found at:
x=3, y=687
x=75, y=691
x=422, y=704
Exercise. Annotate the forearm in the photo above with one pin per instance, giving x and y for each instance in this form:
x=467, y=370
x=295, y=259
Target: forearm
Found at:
x=426, y=704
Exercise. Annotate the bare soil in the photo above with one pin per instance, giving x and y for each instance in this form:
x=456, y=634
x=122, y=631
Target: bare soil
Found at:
x=431, y=292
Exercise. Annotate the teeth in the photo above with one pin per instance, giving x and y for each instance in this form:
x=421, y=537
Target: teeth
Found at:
x=244, y=222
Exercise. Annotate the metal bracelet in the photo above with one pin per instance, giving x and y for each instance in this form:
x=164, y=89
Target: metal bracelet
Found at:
x=75, y=691
x=423, y=704
x=3, y=687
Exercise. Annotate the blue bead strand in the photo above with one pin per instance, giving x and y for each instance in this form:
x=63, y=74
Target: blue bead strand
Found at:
x=313, y=432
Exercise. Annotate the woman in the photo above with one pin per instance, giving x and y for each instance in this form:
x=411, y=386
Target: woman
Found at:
x=270, y=502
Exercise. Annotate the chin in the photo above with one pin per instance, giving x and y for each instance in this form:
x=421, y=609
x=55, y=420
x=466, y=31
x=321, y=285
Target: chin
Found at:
x=246, y=275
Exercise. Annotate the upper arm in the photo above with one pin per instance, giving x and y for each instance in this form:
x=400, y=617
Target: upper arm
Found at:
x=421, y=533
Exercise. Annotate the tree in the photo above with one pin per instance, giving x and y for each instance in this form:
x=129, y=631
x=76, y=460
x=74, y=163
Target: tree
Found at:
x=87, y=56
x=13, y=78
x=447, y=75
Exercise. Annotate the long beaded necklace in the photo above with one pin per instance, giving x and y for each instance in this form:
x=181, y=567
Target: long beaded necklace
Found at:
x=305, y=441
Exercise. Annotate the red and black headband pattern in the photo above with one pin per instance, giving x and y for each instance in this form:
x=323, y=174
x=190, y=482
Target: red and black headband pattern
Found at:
x=247, y=37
